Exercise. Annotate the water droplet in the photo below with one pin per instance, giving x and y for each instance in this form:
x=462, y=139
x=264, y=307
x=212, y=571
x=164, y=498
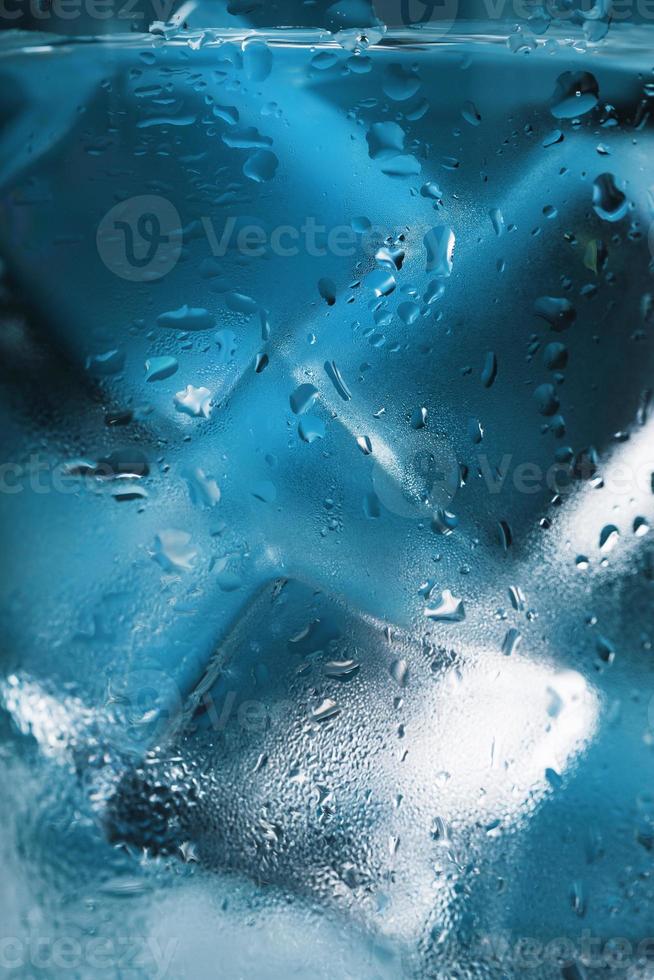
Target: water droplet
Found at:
x=432, y=190
x=448, y=610
x=444, y=522
x=311, y=428
x=475, y=431
x=556, y=136
x=381, y=281
x=408, y=313
x=575, y=94
x=511, y=641
x=336, y=379
x=440, y=831
x=609, y=201
x=505, y=535
x=257, y=60
x=261, y=166
x=105, y=364
x=439, y=244
x=341, y=669
x=399, y=671
x=471, y=113
x=371, y=506
x=361, y=225
x=553, y=778
x=400, y=83
x=194, y=401
x=173, y=550
x=402, y=165
x=419, y=418
x=640, y=527
x=489, y=371
x=559, y=313
x=609, y=537
x=303, y=398
x=517, y=597
x=265, y=491
x=186, y=318
x=261, y=362
x=365, y=445
x=240, y=303
x=392, y=255
x=325, y=710
x=605, y=650
x=497, y=219
x=160, y=368
x=246, y=138
x=546, y=399
x=385, y=140
x=203, y=489
x=327, y=289
x=578, y=899
x=555, y=356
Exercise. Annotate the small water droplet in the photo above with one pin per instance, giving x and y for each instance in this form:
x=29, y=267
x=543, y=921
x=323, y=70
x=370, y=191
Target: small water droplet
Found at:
x=399, y=671
x=489, y=371
x=511, y=642
x=325, y=710
x=609, y=537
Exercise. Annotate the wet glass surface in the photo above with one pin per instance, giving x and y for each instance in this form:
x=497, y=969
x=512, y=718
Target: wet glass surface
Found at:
x=326, y=494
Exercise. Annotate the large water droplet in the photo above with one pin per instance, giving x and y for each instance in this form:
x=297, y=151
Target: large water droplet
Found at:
x=448, y=610
x=400, y=83
x=160, y=368
x=194, y=401
x=575, y=94
x=173, y=550
x=261, y=166
x=609, y=200
x=559, y=313
x=186, y=318
x=439, y=243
